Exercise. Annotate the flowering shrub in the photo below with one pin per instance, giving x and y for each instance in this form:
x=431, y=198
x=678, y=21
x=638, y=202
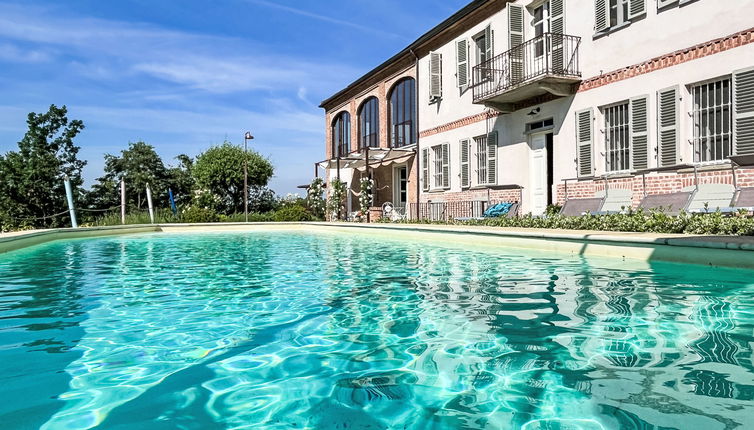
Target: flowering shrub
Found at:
x=366, y=194
x=335, y=199
x=314, y=197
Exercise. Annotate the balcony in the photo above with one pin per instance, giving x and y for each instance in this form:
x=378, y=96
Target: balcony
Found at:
x=548, y=64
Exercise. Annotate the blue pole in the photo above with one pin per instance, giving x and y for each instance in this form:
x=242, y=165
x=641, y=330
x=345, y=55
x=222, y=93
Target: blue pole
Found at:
x=172, y=202
x=69, y=196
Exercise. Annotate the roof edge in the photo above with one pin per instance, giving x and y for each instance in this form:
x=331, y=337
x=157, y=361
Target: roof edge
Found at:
x=444, y=25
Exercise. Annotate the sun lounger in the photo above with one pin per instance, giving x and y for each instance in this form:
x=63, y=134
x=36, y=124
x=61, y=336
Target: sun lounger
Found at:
x=744, y=199
x=671, y=203
x=578, y=207
x=507, y=210
x=709, y=198
x=616, y=201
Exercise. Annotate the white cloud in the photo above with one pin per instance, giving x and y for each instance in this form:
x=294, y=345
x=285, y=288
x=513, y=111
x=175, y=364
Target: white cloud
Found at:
x=15, y=54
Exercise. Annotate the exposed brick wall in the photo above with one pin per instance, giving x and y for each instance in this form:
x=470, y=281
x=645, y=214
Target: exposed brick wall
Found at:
x=656, y=183
x=514, y=195
x=672, y=59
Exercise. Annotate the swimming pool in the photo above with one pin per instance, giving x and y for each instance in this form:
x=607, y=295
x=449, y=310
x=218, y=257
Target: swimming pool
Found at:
x=282, y=330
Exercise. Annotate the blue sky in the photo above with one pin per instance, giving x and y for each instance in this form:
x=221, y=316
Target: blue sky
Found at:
x=183, y=76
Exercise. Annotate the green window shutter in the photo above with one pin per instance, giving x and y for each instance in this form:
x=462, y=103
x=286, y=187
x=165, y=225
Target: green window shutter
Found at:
x=492, y=158
x=435, y=76
x=743, y=111
x=637, y=8
x=601, y=14
x=425, y=169
x=639, y=132
x=445, y=165
x=557, y=28
x=668, y=127
x=516, y=38
x=584, y=141
x=462, y=63
x=465, y=163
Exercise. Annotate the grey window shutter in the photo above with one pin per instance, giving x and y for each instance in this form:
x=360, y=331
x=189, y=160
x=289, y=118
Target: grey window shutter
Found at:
x=516, y=38
x=465, y=163
x=425, y=169
x=492, y=158
x=637, y=8
x=639, y=132
x=488, y=35
x=584, y=140
x=557, y=28
x=601, y=14
x=445, y=165
x=668, y=129
x=435, y=76
x=462, y=61
x=743, y=111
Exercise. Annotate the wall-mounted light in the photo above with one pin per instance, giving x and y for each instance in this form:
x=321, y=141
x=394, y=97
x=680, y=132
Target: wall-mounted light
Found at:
x=535, y=111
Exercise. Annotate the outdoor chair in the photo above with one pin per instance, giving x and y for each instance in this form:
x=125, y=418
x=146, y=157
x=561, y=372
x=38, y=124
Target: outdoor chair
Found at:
x=708, y=198
x=671, y=203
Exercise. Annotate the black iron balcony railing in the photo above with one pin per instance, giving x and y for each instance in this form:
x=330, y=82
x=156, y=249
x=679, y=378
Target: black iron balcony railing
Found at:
x=550, y=54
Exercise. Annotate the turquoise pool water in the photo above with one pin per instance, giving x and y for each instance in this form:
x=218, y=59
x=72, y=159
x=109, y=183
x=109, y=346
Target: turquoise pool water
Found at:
x=319, y=331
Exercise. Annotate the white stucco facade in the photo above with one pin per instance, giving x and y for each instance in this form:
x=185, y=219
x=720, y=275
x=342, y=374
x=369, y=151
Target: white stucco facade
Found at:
x=455, y=117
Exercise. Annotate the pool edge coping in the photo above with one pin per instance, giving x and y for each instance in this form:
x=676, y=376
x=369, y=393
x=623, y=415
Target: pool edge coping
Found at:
x=718, y=249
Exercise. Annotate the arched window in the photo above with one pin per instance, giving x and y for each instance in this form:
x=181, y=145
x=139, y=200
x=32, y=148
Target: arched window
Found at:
x=403, y=113
x=369, y=123
x=341, y=134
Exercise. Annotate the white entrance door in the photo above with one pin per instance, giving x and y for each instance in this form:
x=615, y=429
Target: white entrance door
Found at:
x=538, y=174
x=400, y=186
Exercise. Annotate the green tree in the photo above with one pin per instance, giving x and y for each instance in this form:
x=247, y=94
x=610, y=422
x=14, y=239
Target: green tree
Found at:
x=139, y=165
x=181, y=180
x=31, y=186
x=219, y=172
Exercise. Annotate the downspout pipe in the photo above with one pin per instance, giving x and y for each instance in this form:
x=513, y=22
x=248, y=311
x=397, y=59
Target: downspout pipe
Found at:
x=417, y=157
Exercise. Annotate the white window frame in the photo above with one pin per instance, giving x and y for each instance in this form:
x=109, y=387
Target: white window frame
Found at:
x=436, y=167
x=615, y=132
x=696, y=116
x=480, y=159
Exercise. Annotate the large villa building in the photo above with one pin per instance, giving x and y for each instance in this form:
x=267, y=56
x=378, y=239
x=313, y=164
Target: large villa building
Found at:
x=538, y=101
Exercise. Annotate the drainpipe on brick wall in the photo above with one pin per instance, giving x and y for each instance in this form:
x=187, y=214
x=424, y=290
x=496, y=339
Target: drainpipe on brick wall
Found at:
x=416, y=156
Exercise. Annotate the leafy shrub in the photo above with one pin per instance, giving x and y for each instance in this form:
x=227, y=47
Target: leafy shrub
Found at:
x=198, y=214
x=293, y=213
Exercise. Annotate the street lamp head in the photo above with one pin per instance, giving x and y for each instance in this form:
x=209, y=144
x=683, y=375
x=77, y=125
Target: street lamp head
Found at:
x=248, y=136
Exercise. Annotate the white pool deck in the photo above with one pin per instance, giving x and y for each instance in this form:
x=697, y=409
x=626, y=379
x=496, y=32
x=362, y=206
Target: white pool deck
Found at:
x=714, y=251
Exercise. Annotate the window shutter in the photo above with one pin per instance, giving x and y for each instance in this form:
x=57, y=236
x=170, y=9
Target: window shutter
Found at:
x=584, y=139
x=488, y=35
x=462, y=61
x=465, y=163
x=516, y=38
x=445, y=165
x=743, y=111
x=492, y=158
x=425, y=169
x=639, y=132
x=435, y=76
x=668, y=119
x=601, y=21
x=637, y=8
x=557, y=28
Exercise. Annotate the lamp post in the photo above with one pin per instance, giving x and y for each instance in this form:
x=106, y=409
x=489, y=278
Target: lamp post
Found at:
x=246, y=137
